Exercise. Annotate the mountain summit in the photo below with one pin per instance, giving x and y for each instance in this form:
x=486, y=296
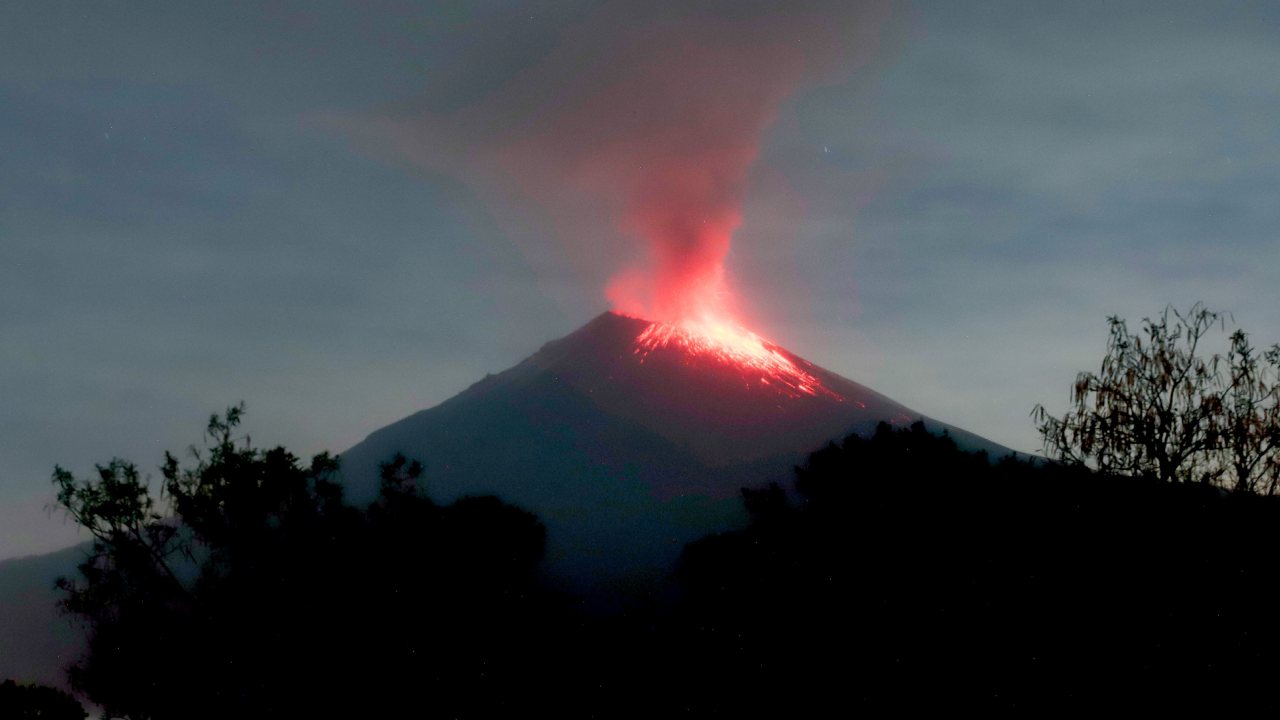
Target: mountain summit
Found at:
x=629, y=438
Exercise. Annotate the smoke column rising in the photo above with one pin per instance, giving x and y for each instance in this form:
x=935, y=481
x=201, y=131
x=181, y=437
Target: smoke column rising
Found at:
x=646, y=119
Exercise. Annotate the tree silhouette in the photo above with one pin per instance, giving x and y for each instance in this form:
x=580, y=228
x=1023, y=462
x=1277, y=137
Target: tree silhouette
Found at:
x=249, y=588
x=903, y=574
x=37, y=702
x=1161, y=406
x=1250, y=427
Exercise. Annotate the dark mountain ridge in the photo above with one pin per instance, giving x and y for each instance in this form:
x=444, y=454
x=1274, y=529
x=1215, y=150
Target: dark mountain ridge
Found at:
x=626, y=454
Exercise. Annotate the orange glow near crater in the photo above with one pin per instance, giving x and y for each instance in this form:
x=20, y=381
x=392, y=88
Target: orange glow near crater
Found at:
x=726, y=342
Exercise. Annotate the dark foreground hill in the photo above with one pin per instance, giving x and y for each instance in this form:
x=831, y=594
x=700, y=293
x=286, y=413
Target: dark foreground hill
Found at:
x=910, y=576
x=892, y=574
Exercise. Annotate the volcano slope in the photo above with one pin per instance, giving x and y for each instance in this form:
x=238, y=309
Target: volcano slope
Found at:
x=628, y=446
x=626, y=452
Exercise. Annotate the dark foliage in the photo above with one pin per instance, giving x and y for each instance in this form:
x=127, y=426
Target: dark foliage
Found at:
x=898, y=574
x=912, y=575
x=263, y=595
x=37, y=702
x=1162, y=406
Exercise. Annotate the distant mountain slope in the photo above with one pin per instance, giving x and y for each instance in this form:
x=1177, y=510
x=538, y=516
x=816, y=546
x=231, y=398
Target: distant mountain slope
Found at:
x=37, y=642
x=626, y=452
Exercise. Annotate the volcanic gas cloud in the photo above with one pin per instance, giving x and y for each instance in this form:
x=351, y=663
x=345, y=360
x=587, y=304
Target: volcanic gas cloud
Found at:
x=634, y=138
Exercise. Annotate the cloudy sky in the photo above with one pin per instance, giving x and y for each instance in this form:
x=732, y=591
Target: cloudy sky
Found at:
x=202, y=203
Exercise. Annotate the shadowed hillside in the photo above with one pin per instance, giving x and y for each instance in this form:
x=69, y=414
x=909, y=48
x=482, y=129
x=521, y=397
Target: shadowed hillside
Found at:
x=36, y=642
x=914, y=575
x=896, y=572
x=625, y=454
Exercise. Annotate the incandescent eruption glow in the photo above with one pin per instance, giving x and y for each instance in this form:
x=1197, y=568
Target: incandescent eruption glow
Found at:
x=759, y=360
x=633, y=138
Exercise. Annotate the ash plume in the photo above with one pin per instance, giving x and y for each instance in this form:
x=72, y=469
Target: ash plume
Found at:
x=634, y=136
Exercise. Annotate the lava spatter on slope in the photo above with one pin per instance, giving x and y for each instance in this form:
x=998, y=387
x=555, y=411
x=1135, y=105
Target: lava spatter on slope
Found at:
x=758, y=360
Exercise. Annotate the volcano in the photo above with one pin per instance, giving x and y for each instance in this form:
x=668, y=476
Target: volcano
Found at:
x=630, y=438
x=627, y=438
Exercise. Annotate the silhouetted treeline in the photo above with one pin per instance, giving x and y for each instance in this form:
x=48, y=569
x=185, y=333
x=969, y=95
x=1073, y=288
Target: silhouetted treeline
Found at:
x=37, y=702
x=908, y=574
x=265, y=595
x=898, y=573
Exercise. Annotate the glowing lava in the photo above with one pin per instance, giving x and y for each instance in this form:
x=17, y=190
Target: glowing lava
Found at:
x=731, y=344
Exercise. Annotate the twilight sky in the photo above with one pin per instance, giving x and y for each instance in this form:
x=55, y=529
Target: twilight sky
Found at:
x=315, y=208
